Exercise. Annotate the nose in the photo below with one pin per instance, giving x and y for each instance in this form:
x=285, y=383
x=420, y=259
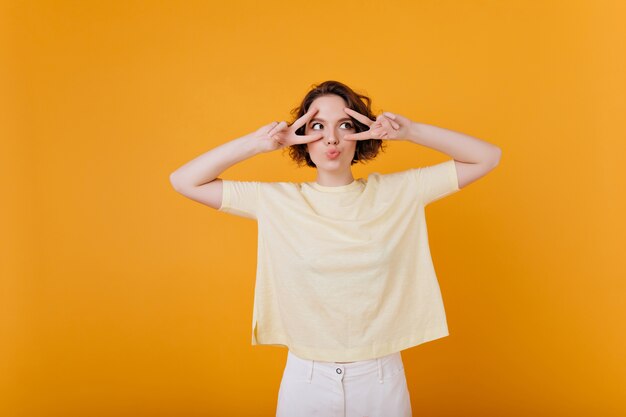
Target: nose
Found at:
x=331, y=140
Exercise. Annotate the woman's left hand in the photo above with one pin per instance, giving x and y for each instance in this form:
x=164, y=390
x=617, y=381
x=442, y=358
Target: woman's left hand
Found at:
x=386, y=126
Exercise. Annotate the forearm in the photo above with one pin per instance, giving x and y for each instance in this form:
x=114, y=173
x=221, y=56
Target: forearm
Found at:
x=208, y=166
x=459, y=146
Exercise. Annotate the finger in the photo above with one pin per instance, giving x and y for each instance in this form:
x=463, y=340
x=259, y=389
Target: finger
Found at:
x=361, y=118
x=376, y=134
x=392, y=117
x=280, y=126
x=304, y=119
x=386, y=122
x=298, y=140
x=359, y=136
x=268, y=128
x=383, y=120
x=273, y=130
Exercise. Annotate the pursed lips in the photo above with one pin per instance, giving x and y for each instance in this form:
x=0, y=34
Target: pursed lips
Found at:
x=331, y=152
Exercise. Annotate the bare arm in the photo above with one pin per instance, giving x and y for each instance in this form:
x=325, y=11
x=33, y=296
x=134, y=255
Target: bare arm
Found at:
x=473, y=158
x=198, y=178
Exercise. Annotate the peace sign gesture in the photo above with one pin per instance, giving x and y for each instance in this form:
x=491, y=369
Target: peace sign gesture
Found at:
x=278, y=135
x=386, y=126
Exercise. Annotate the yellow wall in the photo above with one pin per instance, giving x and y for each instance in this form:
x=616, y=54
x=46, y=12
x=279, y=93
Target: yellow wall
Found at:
x=122, y=298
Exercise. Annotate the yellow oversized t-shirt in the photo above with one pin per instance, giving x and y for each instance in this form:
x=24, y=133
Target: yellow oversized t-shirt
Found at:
x=345, y=273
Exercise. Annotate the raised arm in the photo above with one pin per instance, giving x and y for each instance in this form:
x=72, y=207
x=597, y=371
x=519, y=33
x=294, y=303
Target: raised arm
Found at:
x=198, y=178
x=473, y=157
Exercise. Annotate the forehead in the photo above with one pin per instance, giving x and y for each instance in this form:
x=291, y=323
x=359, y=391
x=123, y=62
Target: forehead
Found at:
x=329, y=103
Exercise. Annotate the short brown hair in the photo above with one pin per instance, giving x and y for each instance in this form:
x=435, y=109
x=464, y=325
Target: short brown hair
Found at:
x=366, y=149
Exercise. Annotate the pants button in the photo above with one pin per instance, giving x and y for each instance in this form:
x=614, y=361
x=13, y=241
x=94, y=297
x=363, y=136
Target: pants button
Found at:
x=338, y=370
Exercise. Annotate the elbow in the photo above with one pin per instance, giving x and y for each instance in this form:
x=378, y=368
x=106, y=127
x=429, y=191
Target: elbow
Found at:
x=175, y=182
x=494, y=159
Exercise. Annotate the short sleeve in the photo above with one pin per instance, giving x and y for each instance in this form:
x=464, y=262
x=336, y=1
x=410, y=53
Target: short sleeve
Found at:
x=437, y=181
x=240, y=198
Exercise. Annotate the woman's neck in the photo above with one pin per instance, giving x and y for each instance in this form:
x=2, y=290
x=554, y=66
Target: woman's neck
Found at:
x=334, y=179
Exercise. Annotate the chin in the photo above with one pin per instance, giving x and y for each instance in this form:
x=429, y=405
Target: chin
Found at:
x=331, y=167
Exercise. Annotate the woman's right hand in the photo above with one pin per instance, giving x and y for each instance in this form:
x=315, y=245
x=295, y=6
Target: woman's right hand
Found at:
x=278, y=135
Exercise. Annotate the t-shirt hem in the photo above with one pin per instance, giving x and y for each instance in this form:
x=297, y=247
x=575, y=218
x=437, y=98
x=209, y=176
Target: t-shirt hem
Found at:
x=354, y=354
x=453, y=176
x=224, y=206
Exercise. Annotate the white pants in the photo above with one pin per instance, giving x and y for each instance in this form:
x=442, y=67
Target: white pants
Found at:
x=370, y=388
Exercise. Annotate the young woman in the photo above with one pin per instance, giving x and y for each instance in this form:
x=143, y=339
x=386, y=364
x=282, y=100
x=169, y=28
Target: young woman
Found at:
x=344, y=279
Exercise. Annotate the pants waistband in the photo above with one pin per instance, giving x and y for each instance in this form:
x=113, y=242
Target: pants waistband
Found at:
x=389, y=363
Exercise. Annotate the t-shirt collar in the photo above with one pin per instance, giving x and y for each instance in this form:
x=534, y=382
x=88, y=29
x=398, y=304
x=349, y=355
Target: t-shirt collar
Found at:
x=354, y=185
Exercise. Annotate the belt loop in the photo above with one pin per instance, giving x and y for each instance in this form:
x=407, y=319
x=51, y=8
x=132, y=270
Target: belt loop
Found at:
x=310, y=372
x=380, y=370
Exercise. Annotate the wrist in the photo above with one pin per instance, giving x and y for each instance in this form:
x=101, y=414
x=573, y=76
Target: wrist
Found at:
x=414, y=132
x=252, y=145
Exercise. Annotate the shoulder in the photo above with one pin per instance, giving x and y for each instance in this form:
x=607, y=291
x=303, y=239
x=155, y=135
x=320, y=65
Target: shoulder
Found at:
x=391, y=178
x=256, y=190
x=266, y=185
x=270, y=189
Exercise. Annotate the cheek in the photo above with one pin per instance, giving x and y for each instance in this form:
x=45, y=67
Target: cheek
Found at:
x=311, y=148
x=314, y=146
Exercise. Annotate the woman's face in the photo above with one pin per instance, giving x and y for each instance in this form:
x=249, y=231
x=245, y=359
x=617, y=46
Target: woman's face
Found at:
x=332, y=151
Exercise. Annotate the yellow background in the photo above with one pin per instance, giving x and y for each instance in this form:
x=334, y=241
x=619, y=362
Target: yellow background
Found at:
x=120, y=297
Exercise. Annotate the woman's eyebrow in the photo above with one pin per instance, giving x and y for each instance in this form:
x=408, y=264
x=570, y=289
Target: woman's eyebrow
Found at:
x=322, y=120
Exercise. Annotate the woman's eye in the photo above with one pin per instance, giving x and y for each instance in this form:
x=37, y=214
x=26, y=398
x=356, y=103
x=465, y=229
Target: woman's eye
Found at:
x=350, y=126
